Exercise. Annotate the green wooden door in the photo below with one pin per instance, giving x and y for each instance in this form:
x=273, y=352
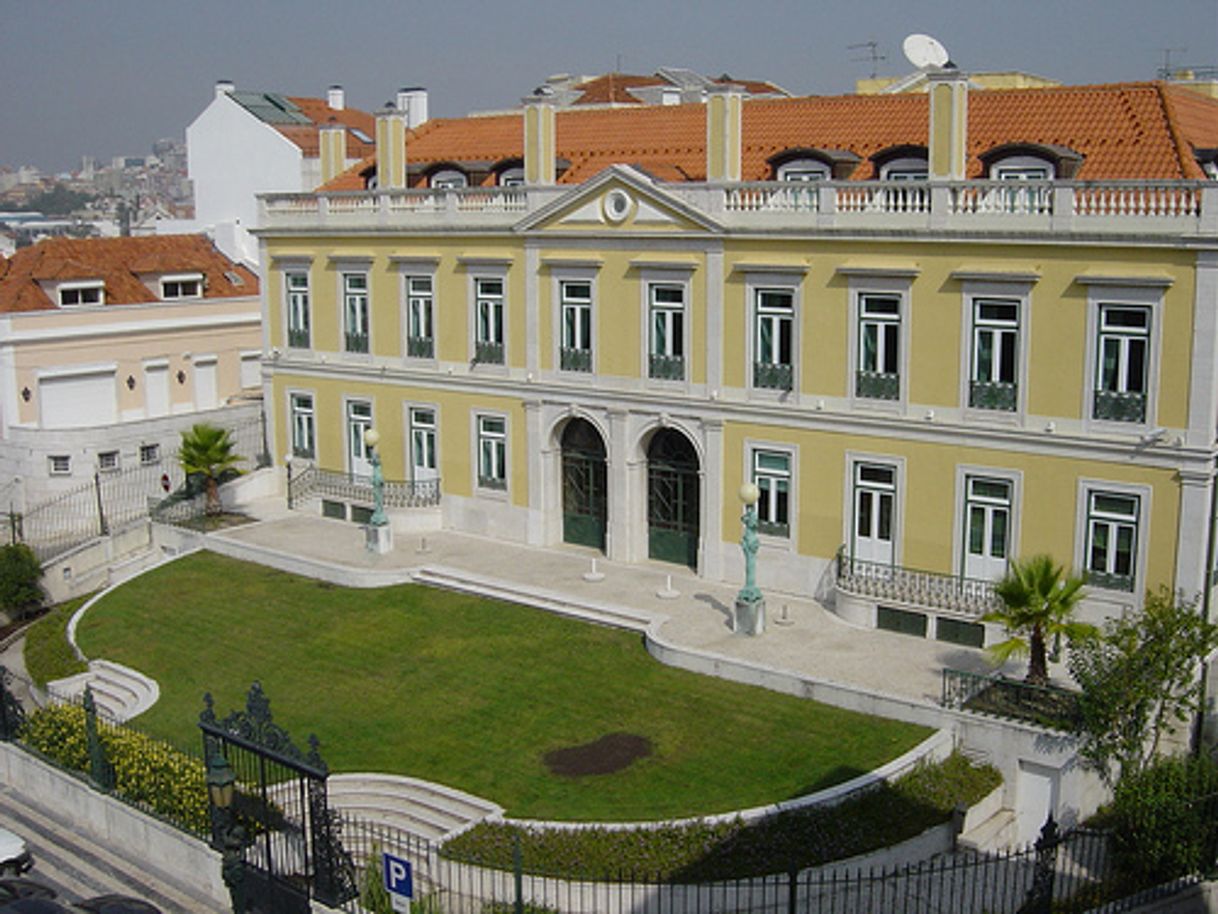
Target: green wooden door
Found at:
x=584, y=485
x=672, y=499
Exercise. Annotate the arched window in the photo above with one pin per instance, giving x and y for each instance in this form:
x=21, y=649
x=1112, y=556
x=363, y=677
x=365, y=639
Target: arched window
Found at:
x=806, y=164
x=1030, y=162
x=901, y=163
x=447, y=178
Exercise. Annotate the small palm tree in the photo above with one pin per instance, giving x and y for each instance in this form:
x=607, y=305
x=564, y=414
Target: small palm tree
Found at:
x=207, y=451
x=1038, y=604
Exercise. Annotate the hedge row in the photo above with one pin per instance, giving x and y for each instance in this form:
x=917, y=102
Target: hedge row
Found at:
x=702, y=852
x=147, y=772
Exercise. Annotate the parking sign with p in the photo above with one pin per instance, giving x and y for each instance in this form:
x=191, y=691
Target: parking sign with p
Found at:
x=398, y=882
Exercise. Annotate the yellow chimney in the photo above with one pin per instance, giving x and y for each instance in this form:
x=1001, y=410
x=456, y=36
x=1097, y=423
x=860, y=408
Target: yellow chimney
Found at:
x=724, y=104
x=391, y=149
x=948, y=145
x=332, y=140
x=539, y=141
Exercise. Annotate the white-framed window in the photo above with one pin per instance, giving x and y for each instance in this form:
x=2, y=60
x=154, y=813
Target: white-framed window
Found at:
x=420, y=334
x=1122, y=369
x=511, y=177
x=803, y=170
x=150, y=454
x=489, y=346
x=878, y=376
x=1025, y=171
x=355, y=312
x=987, y=526
x=448, y=179
x=575, y=305
x=108, y=461
x=304, y=436
x=492, y=452
x=296, y=286
x=995, y=354
x=773, y=338
x=666, y=331
x=772, y=476
x=906, y=168
x=1111, y=554
x=423, y=459
x=873, y=512
x=180, y=287
x=82, y=293
x=59, y=464
x=359, y=421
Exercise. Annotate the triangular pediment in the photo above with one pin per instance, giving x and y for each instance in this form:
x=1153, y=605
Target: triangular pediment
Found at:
x=623, y=199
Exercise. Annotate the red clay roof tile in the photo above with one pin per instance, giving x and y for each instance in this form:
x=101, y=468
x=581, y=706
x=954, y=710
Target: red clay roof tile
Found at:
x=119, y=263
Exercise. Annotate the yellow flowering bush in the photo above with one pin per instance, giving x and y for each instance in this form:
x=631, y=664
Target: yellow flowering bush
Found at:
x=147, y=773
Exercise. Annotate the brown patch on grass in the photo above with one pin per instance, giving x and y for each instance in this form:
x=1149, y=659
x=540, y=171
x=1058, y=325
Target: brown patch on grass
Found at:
x=612, y=752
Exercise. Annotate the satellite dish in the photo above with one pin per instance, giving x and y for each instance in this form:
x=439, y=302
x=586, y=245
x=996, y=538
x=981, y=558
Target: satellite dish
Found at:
x=924, y=52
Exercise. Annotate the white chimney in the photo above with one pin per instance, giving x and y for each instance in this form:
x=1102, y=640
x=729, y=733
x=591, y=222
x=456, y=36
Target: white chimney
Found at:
x=412, y=102
x=223, y=87
x=336, y=98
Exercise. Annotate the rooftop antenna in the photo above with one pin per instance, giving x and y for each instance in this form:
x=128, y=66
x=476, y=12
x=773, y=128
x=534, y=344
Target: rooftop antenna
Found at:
x=925, y=52
x=1165, y=71
x=873, y=53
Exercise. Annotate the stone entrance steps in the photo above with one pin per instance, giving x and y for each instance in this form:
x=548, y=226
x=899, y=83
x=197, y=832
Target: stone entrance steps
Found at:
x=119, y=692
x=429, y=811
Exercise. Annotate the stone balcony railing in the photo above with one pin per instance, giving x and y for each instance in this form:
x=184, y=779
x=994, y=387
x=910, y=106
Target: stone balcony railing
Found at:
x=1145, y=207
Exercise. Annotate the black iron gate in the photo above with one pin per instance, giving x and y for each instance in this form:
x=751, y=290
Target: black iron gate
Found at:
x=672, y=499
x=584, y=485
x=270, y=813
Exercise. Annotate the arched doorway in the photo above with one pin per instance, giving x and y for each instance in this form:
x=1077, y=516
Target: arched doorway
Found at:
x=584, y=485
x=672, y=499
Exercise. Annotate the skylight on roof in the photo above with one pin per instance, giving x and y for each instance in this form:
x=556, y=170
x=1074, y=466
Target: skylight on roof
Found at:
x=360, y=135
x=270, y=108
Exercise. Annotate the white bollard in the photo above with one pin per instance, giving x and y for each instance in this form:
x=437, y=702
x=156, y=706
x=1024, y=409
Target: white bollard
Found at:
x=594, y=575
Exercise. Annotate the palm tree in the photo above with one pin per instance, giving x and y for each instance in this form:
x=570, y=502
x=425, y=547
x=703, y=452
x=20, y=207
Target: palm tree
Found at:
x=1038, y=604
x=208, y=452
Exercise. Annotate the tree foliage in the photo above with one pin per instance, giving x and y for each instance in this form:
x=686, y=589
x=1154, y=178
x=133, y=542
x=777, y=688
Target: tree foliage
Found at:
x=1139, y=680
x=20, y=572
x=207, y=452
x=1039, y=600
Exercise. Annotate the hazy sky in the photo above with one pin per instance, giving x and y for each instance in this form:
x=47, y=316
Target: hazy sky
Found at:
x=106, y=77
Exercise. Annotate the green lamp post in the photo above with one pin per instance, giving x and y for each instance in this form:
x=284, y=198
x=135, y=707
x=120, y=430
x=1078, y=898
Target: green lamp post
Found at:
x=749, y=615
x=228, y=836
x=372, y=438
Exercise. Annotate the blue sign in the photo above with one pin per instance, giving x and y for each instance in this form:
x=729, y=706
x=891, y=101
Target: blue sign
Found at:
x=398, y=881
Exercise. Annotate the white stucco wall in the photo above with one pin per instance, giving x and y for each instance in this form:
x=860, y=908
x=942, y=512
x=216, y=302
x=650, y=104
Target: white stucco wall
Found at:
x=231, y=156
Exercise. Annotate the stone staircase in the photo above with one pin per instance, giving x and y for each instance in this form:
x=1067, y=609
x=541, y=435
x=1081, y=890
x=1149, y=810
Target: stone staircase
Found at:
x=429, y=811
x=989, y=826
x=566, y=604
x=119, y=692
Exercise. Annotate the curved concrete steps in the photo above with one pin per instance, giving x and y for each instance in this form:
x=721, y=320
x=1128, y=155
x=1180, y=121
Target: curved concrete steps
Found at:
x=119, y=692
x=429, y=811
x=566, y=604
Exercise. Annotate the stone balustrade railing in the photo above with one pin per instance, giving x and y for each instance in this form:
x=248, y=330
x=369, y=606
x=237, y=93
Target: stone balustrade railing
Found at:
x=1156, y=207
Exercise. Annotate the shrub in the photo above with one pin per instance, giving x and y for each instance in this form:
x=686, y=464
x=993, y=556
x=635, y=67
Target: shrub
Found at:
x=1162, y=820
x=20, y=571
x=702, y=851
x=147, y=773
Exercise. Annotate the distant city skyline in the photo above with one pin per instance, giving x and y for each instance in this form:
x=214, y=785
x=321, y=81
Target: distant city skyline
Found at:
x=95, y=79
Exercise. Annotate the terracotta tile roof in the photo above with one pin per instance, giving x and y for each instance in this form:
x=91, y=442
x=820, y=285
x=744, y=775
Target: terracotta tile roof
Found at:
x=118, y=262
x=611, y=89
x=318, y=110
x=1123, y=131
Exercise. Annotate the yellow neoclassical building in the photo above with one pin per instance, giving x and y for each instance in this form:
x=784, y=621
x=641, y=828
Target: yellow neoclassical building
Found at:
x=938, y=331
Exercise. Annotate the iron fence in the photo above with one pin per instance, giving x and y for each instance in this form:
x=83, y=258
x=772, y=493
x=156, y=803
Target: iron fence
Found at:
x=993, y=693
x=1078, y=870
x=967, y=596
x=314, y=482
x=112, y=500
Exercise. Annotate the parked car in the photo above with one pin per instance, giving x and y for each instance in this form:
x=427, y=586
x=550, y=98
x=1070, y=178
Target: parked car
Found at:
x=12, y=889
x=102, y=904
x=15, y=857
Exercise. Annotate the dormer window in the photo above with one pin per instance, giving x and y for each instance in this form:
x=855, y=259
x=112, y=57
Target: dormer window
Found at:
x=73, y=294
x=803, y=170
x=509, y=172
x=186, y=285
x=812, y=164
x=1030, y=162
x=1208, y=160
x=901, y=163
x=447, y=179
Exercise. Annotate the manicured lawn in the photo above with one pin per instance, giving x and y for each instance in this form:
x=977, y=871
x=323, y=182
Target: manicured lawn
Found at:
x=471, y=693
